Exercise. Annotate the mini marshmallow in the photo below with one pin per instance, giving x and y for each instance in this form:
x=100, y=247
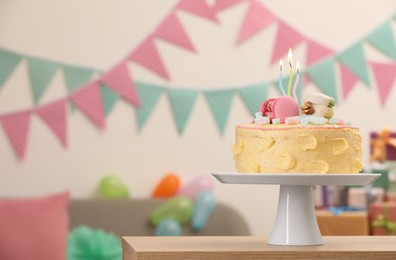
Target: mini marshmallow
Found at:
x=251, y=120
x=263, y=120
x=292, y=120
x=317, y=120
x=333, y=121
x=276, y=121
x=304, y=121
x=258, y=114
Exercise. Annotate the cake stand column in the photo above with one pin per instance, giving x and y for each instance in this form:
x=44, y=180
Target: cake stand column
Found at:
x=295, y=222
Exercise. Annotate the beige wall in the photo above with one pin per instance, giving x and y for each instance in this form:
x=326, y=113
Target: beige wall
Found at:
x=98, y=33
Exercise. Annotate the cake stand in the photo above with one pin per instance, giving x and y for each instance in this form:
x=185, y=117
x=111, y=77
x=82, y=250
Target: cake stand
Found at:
x=295, y=222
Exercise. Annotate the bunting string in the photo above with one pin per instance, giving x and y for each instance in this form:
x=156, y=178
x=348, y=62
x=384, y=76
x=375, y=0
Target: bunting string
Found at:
x=95, y=93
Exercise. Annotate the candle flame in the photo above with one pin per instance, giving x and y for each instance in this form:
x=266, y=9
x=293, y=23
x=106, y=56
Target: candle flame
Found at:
x=280, y=65
x=298, y=67
x=290, y=57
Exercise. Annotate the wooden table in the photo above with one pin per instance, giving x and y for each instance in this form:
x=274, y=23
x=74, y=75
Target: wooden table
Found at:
x=238, y=247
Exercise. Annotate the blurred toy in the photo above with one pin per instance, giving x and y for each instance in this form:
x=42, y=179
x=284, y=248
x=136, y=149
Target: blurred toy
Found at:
x=379, y=145
x=167, y=187
x=204, y=205
x=179, y=208
x=168, y=227
x=111, y=186
x=88, y=243
x=196, y=185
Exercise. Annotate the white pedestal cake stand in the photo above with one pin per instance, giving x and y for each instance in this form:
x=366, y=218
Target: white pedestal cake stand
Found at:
x=295, y=222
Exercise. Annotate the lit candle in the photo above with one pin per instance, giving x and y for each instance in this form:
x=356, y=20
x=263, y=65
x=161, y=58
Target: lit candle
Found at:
x=296, y=83
x=290, y=57
x=280, y=77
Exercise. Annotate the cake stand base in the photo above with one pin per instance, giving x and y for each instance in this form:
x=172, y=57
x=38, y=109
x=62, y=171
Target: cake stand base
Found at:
x=295, y=223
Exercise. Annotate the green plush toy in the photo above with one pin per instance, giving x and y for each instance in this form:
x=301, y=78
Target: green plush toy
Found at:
x=85, y=243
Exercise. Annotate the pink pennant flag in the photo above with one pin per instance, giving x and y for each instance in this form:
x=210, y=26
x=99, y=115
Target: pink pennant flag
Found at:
x=348, y=80
x=16, y=126
x=257, y=18
x=198, y=7
x=221, y=5
x=172, y=30
x=286, y=38
x=119, y=79
x=54, y=115
x=316, y=52
x=88, y=100
x=147, y=56
x=384, y=74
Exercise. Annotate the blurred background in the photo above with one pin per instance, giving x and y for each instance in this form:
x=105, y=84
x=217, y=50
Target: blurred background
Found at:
x=194, y=68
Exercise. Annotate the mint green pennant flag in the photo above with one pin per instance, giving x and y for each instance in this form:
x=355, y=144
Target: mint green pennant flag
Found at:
x=41, y=73
x=76, y=77
x=8, y=62
x=382, y=38
x=220, y=104
x=253, y=96
x=182, y=102
x=354, y=59
x=109, y=99
x=149, y=95
x=323, y=74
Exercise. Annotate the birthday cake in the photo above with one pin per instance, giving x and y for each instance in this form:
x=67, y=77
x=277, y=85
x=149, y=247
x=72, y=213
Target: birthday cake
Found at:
x=287, y=138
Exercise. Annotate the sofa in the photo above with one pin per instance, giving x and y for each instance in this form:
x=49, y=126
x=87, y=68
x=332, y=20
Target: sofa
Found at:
x=129, y=217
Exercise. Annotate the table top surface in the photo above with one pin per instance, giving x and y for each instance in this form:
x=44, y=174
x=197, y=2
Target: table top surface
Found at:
x=235, y=247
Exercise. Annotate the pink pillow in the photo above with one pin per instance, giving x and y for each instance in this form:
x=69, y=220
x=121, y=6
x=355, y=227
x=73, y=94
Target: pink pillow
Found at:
x=35, y=228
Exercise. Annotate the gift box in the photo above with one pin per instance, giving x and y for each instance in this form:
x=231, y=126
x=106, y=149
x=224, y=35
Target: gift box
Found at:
x=382, y=218
x=345, y=223
x=362, y=197
x=329, y=196
x=391, y=196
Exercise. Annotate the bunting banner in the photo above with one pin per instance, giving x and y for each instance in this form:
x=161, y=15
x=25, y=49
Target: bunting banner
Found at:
x=171, y=30
x=182, y=102
x=150, y=94
x=355, y=60
x=119, y=80
x=257, y=18
x=220, y=103
x=385, y=75
x=54, y=116
x=147, y=56
x=221, y=5
x=41, y=72
x=88, y=100
x=16, y=126
x=96, y=93
x=199, y=8
x=109, y=99
x=8, y=62
x=348, y=81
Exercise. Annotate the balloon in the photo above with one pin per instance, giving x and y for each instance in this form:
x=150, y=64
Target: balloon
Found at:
x=167, y=187
x=168, y=227
x=196, y=185
x=179, y=208
x=204, y=205
x=112, y=187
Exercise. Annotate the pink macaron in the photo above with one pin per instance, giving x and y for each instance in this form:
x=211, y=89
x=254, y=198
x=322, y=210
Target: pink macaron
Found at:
x=281, y=108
